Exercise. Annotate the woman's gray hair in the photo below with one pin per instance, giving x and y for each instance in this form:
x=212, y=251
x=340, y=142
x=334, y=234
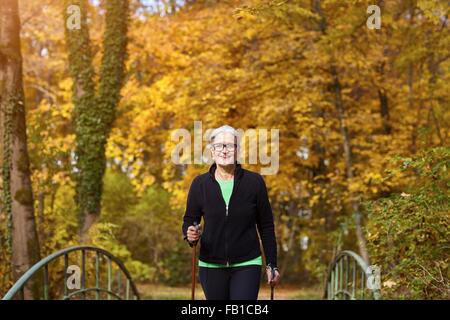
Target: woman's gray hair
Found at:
x=224, y=129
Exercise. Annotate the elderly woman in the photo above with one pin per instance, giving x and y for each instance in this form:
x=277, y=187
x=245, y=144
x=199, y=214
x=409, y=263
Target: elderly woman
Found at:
x=234, y=204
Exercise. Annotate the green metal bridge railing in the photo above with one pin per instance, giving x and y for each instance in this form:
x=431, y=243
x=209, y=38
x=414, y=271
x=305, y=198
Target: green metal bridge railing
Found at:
x=347, y=279
x=116, y=285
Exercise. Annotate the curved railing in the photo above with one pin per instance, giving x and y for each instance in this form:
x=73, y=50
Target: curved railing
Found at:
x=75, y=271
x=347, y=279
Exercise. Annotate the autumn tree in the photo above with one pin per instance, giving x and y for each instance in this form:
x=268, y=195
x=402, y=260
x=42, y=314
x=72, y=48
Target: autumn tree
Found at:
x=17, y=198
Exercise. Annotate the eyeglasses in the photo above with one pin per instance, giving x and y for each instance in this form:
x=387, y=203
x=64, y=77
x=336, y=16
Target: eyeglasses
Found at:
x=220, y=146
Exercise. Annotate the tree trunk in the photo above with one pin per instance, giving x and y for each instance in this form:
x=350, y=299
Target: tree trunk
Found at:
x=410, y=84
x=410, y=80
x=348, y=157
x=384, y=111
x=16, y=168
x=40, y=216
x=290, y=246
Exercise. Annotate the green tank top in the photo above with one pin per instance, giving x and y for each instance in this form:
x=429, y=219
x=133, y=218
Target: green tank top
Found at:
x=226, y=187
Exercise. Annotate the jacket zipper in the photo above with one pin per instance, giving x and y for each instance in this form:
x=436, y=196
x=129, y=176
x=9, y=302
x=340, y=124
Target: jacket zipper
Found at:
x=226, y=243
x=226, y=217
x=226, y=220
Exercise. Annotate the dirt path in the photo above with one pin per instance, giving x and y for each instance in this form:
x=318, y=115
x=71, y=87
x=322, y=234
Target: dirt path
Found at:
x=161, y=292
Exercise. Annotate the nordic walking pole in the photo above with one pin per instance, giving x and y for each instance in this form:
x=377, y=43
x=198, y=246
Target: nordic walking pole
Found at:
x=193, y=268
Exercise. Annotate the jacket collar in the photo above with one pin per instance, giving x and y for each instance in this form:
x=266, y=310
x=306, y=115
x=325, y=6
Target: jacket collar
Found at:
x=238, y=171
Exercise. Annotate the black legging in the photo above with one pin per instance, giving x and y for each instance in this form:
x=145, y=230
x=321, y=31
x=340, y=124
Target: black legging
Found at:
x=236, y=283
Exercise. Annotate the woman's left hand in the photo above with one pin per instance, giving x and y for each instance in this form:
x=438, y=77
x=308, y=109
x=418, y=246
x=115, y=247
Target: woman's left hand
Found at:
x=276, y=278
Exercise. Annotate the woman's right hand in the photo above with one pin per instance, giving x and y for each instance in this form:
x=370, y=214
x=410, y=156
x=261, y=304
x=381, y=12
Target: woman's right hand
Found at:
x=194, y=233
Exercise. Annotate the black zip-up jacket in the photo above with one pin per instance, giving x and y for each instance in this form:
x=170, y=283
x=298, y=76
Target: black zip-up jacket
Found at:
x=230, y=234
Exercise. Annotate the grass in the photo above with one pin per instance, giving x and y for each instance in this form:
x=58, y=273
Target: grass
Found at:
x=282, y=292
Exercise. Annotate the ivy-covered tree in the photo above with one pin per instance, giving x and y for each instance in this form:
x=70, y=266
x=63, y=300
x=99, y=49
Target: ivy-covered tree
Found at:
x=94, y=112
x=17, y=198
